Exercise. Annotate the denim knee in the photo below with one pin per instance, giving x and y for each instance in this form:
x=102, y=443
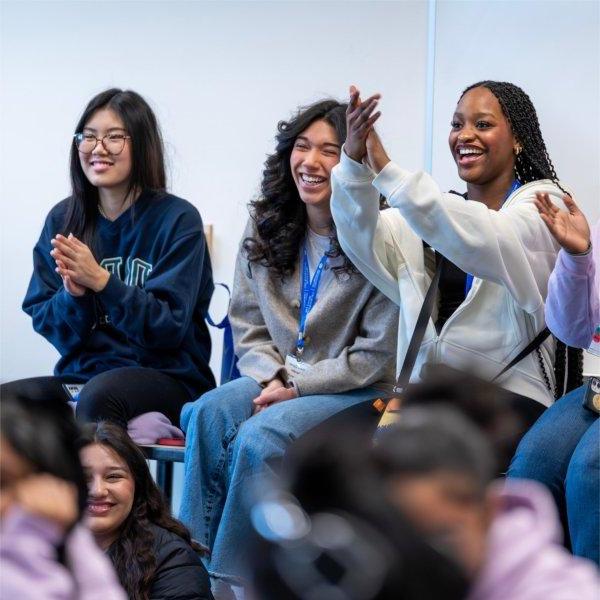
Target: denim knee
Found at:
x=259, y=438
x=546, y=449
x=204, y=408
x=585, y=462
x=532, y=457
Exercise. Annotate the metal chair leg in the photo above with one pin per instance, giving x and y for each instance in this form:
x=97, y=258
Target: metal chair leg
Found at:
x=164, y=478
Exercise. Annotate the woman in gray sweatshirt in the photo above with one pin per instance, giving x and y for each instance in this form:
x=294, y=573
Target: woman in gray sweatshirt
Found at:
x=313, y=337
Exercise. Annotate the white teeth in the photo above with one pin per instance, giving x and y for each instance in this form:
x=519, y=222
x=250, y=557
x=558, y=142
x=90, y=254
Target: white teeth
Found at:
x=311, y=178
x=463, y=151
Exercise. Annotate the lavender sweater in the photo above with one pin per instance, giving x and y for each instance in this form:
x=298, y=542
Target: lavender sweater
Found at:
x=573, y=302
x=30, y=570
x=525, y=559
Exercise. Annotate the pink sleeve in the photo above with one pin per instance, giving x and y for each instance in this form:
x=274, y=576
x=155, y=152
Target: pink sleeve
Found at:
x=30, y=569
x=92, y=570
x=29, y=566
x=573, y=302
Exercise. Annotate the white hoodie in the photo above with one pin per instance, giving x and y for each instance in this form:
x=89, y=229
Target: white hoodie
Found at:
x=510, y=252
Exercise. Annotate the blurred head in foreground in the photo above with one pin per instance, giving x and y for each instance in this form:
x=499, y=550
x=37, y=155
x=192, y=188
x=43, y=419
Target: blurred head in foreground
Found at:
x=437, y=467
x=501, y=416
x=332, y=532
x=38, y=453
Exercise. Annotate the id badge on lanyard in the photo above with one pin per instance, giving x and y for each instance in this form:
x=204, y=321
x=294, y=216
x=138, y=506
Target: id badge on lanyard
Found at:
x=308, y=297
x=595, y=345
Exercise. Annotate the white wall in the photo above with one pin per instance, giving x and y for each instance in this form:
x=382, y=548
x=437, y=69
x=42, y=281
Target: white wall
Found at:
x=549, y=48
x=219, y=75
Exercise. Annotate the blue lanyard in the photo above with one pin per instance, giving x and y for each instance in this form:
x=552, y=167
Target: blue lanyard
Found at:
x=513, y=188
x=308, y=295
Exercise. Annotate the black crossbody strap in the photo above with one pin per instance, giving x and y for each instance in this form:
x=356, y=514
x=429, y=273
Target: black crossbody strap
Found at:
x=421, y=326
x=531, y=347
x=419, y=332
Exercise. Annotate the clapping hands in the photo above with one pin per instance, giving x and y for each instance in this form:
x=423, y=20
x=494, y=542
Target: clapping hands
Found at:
x=359, y=122
x=362, y=142
x=77, y=266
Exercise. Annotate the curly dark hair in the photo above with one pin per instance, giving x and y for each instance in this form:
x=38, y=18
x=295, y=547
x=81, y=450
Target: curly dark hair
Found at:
x=531, y=164
x=132, y=553
x=279, y=213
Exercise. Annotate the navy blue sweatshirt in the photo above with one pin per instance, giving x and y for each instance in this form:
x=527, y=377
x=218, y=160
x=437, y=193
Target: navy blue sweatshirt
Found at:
x=151, y=312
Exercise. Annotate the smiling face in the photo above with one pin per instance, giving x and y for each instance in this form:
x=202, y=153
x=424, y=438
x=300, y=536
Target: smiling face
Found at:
x=316, y=151
x=111, y=491
x=481, y=139
x=105, y=170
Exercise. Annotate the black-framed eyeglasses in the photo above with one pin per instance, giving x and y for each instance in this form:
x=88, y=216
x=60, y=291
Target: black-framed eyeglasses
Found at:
x=113, y=142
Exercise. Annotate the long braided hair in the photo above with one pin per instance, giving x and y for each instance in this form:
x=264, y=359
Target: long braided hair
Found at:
x=531, y=164
x=133, y=553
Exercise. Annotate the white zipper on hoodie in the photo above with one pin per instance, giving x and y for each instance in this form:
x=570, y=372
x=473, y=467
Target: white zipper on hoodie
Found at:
x=476, y=283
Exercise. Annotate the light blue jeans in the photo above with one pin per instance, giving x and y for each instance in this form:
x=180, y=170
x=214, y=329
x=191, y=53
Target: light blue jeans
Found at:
x=228, y=450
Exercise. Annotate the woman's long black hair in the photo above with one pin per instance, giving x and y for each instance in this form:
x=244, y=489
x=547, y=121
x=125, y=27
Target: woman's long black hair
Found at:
x=147, y=154
x=531, y=164
x=133, y=552
x=279, y=213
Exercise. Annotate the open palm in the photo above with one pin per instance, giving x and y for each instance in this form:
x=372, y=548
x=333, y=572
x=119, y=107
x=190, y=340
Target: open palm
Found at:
x=569, y=227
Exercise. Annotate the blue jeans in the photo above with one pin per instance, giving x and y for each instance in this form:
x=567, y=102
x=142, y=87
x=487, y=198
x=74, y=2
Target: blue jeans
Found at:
x=562, y=451
x=228, y=450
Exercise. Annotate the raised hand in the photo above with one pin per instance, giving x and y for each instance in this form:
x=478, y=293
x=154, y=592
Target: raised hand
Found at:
x=74, y=260
x=359, y=122
x=377, y=157
x=569, y=227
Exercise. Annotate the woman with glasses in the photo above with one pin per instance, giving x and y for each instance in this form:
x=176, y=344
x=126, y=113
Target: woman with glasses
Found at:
x=122, y=279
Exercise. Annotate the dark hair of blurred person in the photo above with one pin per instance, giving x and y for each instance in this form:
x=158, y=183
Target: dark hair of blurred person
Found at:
x=152, y=552
x=491, y=408
x=345, y=540
x=437, y=467
x=44, y=436
x=45, y=551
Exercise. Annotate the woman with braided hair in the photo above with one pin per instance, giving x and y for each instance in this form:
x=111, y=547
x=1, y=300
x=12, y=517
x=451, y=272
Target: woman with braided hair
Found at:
x=496, y=254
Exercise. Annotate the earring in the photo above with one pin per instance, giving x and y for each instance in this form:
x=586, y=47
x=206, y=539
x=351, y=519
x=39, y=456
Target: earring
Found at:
x=518, y=148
